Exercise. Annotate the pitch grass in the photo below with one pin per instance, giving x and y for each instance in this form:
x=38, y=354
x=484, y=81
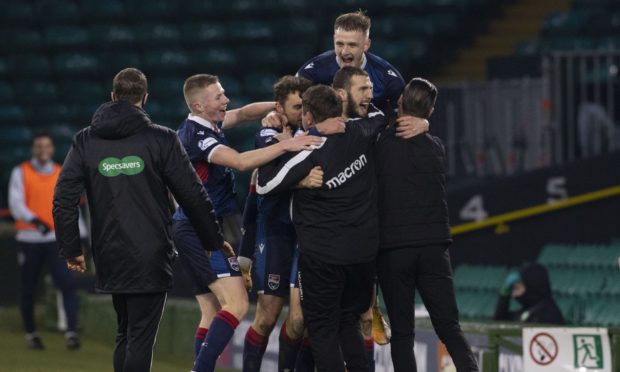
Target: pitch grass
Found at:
x=92, y=357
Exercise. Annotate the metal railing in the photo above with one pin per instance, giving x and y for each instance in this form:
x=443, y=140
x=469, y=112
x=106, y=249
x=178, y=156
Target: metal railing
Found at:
x=502, y=127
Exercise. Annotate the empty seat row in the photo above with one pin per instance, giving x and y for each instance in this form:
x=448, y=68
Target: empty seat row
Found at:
x=594, y=256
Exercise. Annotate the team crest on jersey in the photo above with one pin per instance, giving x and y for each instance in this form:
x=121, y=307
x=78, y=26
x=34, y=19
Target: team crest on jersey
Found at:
x=392, y=73
x=309, y=66
x=234, y=264
x=273, y=281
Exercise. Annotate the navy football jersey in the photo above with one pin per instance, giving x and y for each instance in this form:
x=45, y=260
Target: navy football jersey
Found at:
x=387, y=82
x=200, y=138
x=272, y=207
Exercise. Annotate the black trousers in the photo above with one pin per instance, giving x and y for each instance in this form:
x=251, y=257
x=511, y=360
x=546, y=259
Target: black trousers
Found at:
x=428, y=269
x=138, y=317
x=332, y=299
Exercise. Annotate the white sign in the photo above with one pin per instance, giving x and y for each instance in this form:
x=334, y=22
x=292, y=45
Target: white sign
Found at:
x=566, y=349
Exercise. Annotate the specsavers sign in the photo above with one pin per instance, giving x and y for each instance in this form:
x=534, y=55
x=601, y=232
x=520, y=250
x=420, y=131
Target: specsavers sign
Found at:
x=566, y=349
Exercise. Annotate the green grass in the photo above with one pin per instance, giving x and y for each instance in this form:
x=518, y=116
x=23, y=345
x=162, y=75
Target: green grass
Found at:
x=92, y=357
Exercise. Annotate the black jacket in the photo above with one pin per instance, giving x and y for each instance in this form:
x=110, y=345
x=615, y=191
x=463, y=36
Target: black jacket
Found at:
x=127, y=164
x=537, y=304
x=413, y=210
x=336, y=223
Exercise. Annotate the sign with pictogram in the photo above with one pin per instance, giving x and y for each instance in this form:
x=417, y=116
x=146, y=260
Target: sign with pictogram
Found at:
x=566, y=349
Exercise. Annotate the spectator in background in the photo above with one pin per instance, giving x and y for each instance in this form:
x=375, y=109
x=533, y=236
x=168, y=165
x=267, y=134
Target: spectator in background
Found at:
x=31, y=192
x=531, y=287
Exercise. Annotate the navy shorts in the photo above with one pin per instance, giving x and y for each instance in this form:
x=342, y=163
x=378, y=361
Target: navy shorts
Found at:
x=274, y=255
x=202, y=269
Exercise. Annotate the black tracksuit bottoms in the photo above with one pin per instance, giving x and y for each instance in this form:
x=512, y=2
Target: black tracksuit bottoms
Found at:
x=332, y=299
x=138, y=316
x=428, y=269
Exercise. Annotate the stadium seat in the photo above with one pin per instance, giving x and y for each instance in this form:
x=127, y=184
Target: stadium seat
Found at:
x=154, y=9
x=38, y=91
x=214, y=59
x=231, y=84
x=62, y=36
x=15, y=135
x=260, y=56
x=20, y=39
x=165, y=60
x=57, y=11
x=113, y=35
x=75, y=63
x=159, y=34
x=6, y=92
x=259, y=85
x=103, y=10
x=19, y=12
x=163, y=87
x=31, y=65
x=252, y=30
x=203, y=32
x=83, y=92
x=485, y=278
x=116, y=61
x=12, y=115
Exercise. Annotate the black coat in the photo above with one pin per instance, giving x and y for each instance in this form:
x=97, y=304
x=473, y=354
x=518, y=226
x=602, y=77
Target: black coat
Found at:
x=336, y=223
x=127, y=165
x=537, y=304
x=413, y=210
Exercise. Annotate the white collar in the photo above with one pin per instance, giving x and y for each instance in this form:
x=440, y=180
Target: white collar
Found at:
x=201, y=121
x=364, y=60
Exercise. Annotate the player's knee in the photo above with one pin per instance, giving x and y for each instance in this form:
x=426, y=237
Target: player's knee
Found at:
x=265, y=324
x=238, y=308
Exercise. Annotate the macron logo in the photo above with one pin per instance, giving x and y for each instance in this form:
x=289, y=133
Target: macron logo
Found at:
x=309, y=66
x=347, y=173
x=392, y=73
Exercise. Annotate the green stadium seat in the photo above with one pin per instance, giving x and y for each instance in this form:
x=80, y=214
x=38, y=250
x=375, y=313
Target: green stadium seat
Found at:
x=295, y=28
x=18, y=12
x=15, y=135
x=261, y=56
x=113, y=35
x=12, y=114
x=166, y=86
x=259, y=84
x=250, y=30
x=214, y=59
x=203, y=32
x=103, y=10
x=155, y=9
x=159, y=34
x=38, y=91
x=57, y=11
x=20, y=39
x=553, y=255
x=166, y=60
x=31, y=65
x=76, y=63
x=83, y=92
x=609, y=43
x=6, y=92
x=487, y=278
x=476, y=305
x=114, y=62
x=62, y=131
x=62, y=36
x=566, y=23
x=231, y=84
x=571, y=308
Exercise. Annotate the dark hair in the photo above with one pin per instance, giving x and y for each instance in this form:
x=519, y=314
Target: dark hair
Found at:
x=38, y=135
x=322, y=102
x=342, y=79
x=195, y=82
x=354, y=21
x=129, y=85
x=289, y=84
x=419, y=98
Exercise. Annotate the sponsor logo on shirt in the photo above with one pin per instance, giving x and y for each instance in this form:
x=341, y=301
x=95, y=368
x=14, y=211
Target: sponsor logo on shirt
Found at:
x=348, y=172
x=203, y=144
x=129, y=166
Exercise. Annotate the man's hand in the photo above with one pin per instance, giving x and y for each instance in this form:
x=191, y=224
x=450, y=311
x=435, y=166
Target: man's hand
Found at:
x=274, y=120
x=41, y=226
x=313, y=180
x=227, y=250
x=301, y=143
x=410, y=126
x=287, y=133
x=331, y=126
x=77, y=264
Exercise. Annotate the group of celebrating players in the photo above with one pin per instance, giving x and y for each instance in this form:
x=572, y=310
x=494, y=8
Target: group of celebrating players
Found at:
x=314, y=219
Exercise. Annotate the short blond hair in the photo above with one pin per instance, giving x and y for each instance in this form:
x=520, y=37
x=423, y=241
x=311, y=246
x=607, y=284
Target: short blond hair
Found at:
x=195, y=83
x=354, y=21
